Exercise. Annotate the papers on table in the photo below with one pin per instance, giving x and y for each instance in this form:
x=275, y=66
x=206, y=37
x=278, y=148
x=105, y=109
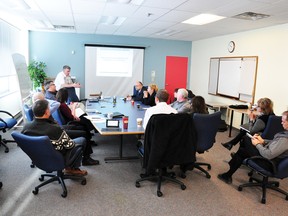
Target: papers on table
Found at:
x=96, y=118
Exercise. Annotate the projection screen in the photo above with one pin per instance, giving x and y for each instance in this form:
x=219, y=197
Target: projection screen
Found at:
x=112, y=70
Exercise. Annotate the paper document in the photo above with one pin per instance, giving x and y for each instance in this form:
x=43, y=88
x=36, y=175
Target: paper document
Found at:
x=96, y=118
x=79, y=112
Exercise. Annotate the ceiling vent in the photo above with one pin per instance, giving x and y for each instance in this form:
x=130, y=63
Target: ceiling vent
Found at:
x=251, y=16
x=64, y=27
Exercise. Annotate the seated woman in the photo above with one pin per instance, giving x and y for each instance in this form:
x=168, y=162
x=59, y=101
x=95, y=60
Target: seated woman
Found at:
x=256, y=123
x=274, y=150
x=199, y=105
x=84, y=124
x=149, y=95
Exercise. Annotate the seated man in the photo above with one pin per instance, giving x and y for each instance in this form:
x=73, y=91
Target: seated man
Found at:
x=73, y=131
x=138, y=92
x=53, y=105
x=182, y=104
x=50, y=90
x=43, y=126
x=274, y=150
x=63, y=80
x=161, y=107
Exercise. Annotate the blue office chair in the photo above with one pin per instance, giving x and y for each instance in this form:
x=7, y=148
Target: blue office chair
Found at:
x=45, y=157
x=58, y=117
x=28, y=113
x=269, y=170
x=206, y=128
x=273, y=126
x=6, y=124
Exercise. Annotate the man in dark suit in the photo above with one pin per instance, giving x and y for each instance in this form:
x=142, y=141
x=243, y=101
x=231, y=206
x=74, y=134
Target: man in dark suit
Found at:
x=138, y=92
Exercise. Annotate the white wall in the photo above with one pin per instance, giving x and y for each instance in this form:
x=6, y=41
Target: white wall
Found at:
x=269, y=44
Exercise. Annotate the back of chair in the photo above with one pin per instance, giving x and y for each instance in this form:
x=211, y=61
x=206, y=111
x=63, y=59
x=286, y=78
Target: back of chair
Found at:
x=206, y=127
x=273, y=126
x=41, y=151
x=28, y=112
x=58, y=117
x=169, y=140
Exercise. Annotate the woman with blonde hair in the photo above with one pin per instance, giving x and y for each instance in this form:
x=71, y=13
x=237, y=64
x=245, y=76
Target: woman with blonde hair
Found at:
x=257, y=123
x=149, y=95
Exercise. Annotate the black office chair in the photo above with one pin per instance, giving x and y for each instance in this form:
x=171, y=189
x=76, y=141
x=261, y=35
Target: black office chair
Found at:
x=269, y=170
x=273, y=126
x=45, y=157
x=169, y=140
x=6, y=124
x=206, y=126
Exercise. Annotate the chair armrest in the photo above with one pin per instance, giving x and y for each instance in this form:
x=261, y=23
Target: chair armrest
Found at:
x=7, y=113
x=6, y=126
x=261, y=162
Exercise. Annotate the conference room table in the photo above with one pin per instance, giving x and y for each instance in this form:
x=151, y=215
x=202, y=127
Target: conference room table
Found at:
x=97, y=113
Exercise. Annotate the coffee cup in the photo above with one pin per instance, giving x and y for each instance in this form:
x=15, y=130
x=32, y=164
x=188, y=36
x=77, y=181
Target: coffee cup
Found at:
x=125, y=120
x=139, y=122
x=110, y=115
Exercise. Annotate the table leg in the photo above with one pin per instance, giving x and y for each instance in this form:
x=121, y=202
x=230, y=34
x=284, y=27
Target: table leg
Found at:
x=120, y=158
x=231, y=122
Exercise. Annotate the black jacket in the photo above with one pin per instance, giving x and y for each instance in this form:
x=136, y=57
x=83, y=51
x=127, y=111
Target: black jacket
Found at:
x=170, y=139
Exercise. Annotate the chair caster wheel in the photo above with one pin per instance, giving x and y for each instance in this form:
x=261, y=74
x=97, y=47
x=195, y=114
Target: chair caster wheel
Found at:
x=64, y=194
x=285, y=198
x=250, y=173
x=137, y=184
x=6, y=150
x=1, y=184
x=32, y=166
x=263, y=201
x=41, y=178
x=83, y=182
x=250, y=180
x=209, y=167
x=35, y=191
x=277, y=184
x=159, y=194
x=240, y=188
x=183, y=175
x=208, y=176
x=183, y=187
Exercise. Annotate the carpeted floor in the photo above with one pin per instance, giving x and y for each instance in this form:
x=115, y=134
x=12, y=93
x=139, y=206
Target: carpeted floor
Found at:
x=110, y=188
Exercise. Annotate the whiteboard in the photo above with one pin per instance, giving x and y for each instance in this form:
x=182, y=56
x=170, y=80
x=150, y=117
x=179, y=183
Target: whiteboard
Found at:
x=229, y=77
x=213, y=78
x=233, y=77
x=25, y=83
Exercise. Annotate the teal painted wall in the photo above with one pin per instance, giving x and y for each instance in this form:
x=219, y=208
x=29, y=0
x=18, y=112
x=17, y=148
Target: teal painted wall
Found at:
x=55, y=49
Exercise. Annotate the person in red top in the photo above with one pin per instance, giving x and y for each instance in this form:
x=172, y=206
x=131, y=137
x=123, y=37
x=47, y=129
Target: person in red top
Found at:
x=84, y=124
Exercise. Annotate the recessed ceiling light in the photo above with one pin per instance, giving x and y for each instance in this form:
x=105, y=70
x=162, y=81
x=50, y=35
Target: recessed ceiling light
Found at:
x=203, y=19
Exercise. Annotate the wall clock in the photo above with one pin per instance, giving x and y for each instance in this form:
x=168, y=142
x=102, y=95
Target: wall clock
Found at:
x=231, y=46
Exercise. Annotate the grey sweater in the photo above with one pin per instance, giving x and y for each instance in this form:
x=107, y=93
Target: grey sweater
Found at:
x=278, y=147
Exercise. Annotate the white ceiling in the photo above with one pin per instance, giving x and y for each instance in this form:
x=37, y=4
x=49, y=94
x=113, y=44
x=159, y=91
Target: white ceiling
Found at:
x=147, y=19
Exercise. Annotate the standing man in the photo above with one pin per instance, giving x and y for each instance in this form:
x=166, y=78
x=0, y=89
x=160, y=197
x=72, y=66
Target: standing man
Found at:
x=182, y=104
x=63, y=80
x=161, y=107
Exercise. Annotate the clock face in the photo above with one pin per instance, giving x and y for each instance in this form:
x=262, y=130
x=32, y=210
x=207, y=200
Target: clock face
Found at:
x=231, y=46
